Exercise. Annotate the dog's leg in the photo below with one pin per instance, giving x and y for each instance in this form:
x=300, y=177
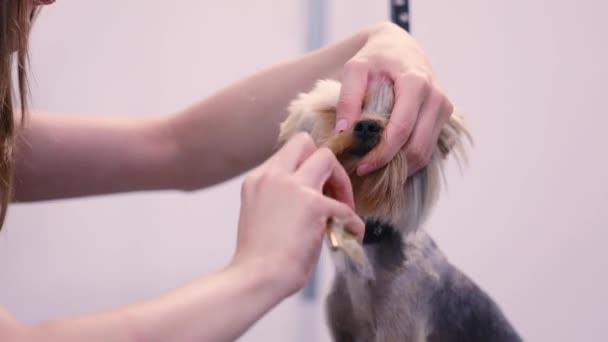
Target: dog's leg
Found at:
x=339, y=313
x=349, y=311
x=461, y=311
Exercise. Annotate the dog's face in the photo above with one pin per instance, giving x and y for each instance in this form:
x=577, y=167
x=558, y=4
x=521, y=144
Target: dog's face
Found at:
x=386, y=194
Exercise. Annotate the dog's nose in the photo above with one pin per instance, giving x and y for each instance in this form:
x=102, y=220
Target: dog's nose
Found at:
x=366, y=134
x=366, y=129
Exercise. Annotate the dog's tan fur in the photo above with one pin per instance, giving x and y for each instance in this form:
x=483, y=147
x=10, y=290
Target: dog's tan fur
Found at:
x=380, y=193
x=416, y=294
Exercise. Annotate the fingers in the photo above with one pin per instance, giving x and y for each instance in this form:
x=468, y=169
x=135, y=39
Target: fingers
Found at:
x=294, y=152
x=352, y=93
x=323, y=171
x=318, y=169
x=411, y=91
x=419, y=149
x=344, y=215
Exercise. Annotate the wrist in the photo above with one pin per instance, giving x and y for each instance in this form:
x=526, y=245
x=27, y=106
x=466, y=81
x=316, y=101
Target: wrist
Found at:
x=265, y=278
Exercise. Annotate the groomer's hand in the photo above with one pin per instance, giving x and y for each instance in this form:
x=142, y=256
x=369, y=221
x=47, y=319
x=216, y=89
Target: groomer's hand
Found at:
x=284, y=212
x=421, y=107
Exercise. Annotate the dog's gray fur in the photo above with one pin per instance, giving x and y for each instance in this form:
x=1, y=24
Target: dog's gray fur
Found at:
x=423, y=299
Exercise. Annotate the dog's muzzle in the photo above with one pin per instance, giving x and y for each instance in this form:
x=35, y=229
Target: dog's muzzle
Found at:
x=366, y=136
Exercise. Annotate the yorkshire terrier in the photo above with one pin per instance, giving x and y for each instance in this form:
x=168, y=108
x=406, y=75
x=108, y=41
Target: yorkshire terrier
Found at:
x=416, y=294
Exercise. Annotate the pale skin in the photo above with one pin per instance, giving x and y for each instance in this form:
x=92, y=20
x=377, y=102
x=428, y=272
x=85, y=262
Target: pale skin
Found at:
x=62, y=156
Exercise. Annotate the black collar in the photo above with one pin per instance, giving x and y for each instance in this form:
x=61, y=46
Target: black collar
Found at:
x=377, y=232
x=388, y=244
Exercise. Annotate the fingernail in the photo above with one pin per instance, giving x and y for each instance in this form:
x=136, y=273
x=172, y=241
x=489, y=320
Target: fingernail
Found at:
x=341, y=125
x=363, y=169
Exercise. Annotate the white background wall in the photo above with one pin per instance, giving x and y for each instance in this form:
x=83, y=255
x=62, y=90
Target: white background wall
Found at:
x=524, y=220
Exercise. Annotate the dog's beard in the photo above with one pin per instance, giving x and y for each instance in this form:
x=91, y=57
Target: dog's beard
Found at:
x=380, y=194
x=387, y=194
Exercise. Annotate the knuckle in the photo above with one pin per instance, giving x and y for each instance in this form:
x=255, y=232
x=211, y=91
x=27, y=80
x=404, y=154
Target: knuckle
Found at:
x=356, y=65
x=417, y=154
x=448, y=108
x=310, y=202
x=304, y=140
x=302, y=143
x=260, y=179
x=344, y=211
x=327, y=156
x=273, y=176
x=440, y=104
x=436, y=97
x=315, y=206
x=264, y=179
x=420, y=81
x=356, y=227
x=401, y=129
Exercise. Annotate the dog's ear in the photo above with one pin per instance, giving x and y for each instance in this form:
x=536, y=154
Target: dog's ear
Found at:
x=305, y=109
x=452, y=137
x=287, y=129
x=297, y=121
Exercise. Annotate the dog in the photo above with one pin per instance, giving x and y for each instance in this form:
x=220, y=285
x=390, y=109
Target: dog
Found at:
x=416, y=293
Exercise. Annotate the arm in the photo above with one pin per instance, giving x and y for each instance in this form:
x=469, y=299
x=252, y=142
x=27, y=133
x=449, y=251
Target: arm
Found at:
x=61, y=156
x=236, y=128
x=199, y=311
x=211, y=141
x=268, y=266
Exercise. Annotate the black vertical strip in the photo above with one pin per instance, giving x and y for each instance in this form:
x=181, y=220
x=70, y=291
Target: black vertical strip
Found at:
x=400, y=13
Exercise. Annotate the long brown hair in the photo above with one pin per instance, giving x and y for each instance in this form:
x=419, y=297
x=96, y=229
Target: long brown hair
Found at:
x=15, y=21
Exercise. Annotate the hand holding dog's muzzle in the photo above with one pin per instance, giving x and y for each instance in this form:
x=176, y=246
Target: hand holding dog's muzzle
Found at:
x=421, y=108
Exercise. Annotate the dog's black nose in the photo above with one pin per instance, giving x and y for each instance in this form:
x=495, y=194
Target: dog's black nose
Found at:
x=366, y=134
x=366, y=129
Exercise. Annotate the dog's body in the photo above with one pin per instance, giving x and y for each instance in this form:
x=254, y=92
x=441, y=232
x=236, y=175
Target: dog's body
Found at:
x=416, y=294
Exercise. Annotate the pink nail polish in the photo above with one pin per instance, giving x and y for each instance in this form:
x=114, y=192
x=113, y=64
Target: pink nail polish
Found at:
x=341, y=125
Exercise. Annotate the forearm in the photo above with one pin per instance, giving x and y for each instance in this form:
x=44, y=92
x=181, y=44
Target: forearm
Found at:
x=60, y=156
x=206, y=143
x=220, y=307
x=237, y=127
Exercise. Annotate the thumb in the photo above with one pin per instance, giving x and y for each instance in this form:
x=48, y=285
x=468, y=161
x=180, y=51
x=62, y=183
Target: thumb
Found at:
x=344, y=215
x=352, y=93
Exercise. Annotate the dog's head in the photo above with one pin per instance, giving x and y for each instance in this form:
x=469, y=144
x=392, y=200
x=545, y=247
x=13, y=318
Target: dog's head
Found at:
x=387, y=194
